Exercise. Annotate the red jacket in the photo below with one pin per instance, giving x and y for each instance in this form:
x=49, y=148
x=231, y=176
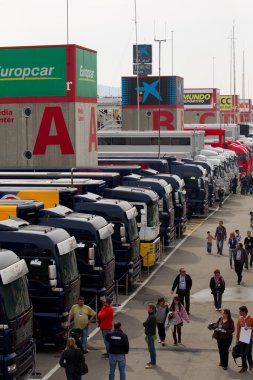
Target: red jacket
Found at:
x=105, y=317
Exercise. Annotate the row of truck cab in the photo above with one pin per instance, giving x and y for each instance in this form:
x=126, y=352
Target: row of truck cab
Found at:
x=79, y=231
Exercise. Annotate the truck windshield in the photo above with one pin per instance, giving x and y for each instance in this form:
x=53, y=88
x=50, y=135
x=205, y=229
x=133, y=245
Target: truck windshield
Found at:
x=16, y=297
x=168, y=198
x=132, y=229
x=106, y=250
x=152, y=215
x=68, y=267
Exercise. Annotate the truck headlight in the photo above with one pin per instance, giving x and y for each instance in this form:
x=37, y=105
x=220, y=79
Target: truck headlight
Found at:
x=11, y=368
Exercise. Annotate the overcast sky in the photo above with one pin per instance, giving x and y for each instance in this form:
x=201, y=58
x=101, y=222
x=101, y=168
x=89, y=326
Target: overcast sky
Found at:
x=202, y=35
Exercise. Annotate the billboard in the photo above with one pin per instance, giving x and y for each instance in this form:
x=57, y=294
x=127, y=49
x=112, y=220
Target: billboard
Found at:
x=171, y=91
x=226, y=102
x=143, y=69
x=245, y=105
x=36, y=71
x=199, y=98
x=144, y=53
x=86, y=73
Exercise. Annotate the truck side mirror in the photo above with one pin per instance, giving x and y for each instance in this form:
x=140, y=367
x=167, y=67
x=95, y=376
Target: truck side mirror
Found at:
x=52, y=275
x=91, y=253
x=122, y=231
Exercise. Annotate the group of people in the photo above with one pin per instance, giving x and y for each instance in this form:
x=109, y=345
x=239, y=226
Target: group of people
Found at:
x=240, y=254
x=246, y=182
x=223, y=333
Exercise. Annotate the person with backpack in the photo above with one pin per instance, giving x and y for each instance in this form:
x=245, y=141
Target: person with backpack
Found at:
x=217, y=286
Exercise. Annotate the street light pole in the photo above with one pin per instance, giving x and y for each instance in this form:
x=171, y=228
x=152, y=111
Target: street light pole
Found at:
x=137, y=66
x=67, y=22
x=159, y=101
x=172, y=52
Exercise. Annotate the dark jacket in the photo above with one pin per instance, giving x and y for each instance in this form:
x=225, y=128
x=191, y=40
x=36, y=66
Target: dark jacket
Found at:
x=228, y=326
x=71, y=360
x=150, y=325
x=188, y=282
x=243, y=256
x=118, y=342
x=220, y=289
x=248, y=242
x=220, y=233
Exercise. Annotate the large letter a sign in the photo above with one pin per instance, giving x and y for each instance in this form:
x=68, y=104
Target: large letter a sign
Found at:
x=61, y=138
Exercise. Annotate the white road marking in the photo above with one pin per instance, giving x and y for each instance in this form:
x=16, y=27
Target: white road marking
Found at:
x=118, y=309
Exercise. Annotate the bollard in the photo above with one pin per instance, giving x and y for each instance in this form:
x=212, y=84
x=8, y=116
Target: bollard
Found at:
x=127, y=284
x=35, y=374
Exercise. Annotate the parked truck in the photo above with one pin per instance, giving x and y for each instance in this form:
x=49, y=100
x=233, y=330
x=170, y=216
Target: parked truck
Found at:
x=16, y=314
x=54, y=284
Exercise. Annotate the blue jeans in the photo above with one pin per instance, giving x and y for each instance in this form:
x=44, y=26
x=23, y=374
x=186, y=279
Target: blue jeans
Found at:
x=209, y=247
x=104, y=332
x=231, y=252
x=84, y=337
x=151, y=348
x=217, y=297
x=220, y=245
x=121, y=360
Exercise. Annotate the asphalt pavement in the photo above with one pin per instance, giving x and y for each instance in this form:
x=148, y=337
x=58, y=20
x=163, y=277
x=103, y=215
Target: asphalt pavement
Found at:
x=197, y=357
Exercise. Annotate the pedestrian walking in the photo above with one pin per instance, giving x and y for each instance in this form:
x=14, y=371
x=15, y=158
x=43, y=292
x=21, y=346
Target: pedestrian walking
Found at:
x=105, y=318
x=83, y=315
x=232, y=243
x=209, y=242
x=118, y=348
x=220, y=236
x=239, y=260
x=238, y=236
x=245, y=322
x=162, y=310
x=251, y=219
x=72, y=360
x=234, y=184
x=179, y=315
x=183, y=283
x=224, y=336
x=150, y=332
x=244, y=184
x=217, y=286
x=221, y=194
x=248, y=244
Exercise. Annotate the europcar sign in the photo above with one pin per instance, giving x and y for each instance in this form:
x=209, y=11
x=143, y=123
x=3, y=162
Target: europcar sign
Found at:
x=33, y=72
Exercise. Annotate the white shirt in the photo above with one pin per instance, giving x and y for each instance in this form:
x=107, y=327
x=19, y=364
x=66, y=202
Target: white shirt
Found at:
x=182, y=282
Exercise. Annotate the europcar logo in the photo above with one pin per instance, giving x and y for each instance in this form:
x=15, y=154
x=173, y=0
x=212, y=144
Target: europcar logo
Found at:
x=87, y=75
x=27, y=73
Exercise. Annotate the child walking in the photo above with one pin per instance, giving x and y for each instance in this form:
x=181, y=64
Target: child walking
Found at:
x=209, y=242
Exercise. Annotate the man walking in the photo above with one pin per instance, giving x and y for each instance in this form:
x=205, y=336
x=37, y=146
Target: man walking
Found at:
x=83, y=315
x=221, y=194
x=118, y=348
x=248, y=244
x=239, y=260
x=150, y=332
x=183, y=283
x=245, y=322
x=105, y=317
x=220, y=236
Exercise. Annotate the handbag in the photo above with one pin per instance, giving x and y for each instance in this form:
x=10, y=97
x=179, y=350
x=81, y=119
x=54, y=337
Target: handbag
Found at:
x=215, y=334
x=83, y=369
x=236, y=353
x=212, y=326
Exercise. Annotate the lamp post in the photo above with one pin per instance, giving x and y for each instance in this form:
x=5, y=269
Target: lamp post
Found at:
x=67, y=22
x=159, y=101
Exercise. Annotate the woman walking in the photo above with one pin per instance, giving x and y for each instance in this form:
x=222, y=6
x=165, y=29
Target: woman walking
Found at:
x=225, y=329
x=232, y=242
x=178, y=313
x=217, y=286
x=72, y=360
x=161, y=315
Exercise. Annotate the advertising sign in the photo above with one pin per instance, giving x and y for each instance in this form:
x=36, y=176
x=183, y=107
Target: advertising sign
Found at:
x=143, y=69
x=226, y=102
x=198, y=98
x=33, y=71
x=171, y=91
x=144, y=53
x=86, y=73
x=245, y=105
